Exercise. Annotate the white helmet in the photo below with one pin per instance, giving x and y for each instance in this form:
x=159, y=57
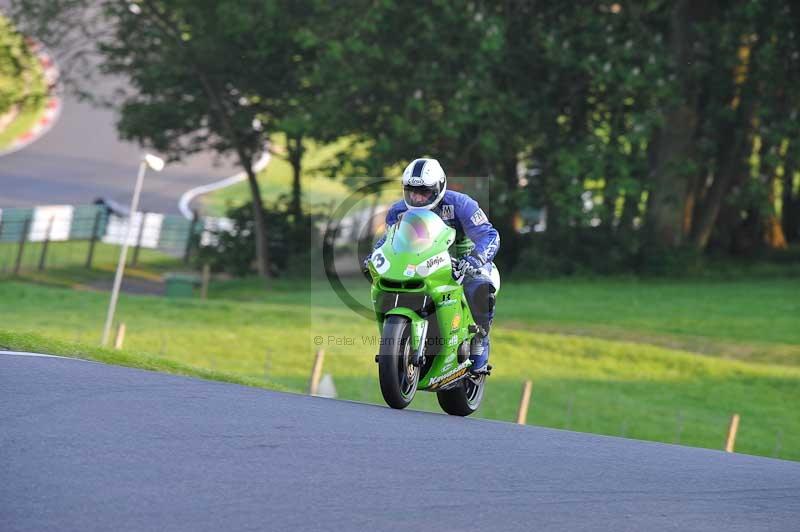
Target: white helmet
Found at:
x=424, y=184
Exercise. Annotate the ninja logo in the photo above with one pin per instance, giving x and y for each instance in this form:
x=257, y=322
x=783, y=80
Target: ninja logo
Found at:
x=435, y=261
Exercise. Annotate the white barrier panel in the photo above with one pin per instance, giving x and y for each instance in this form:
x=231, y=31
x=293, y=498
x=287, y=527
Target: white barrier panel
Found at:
x=152, y=229
x=51, y=221
x=117, y=228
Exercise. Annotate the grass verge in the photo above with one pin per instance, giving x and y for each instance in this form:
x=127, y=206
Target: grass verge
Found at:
x=36, y=343
x=24, y=121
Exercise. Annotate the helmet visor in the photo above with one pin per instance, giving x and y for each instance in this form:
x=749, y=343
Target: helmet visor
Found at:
x=420, y=196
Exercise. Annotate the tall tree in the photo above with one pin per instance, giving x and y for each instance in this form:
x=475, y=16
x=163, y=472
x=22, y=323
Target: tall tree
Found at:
x=187, y=94
x=672, y=146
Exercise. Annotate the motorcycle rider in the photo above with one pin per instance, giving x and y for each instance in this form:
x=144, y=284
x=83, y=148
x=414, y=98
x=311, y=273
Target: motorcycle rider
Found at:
x=425, y=187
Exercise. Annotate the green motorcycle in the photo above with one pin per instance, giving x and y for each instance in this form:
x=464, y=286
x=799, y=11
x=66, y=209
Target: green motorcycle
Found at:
x=423, y=316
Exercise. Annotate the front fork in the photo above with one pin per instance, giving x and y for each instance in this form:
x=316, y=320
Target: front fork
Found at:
x=418, y=357
x=419, y=333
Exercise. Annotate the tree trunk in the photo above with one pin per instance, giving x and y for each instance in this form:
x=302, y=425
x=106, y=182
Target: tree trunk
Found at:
x=790, y=217
x=724, y=178
x=690, y=202
x=773, y=231
x=732, y=150
x=505, y=222
x=218, y=105
x=262, y=250
x=775, y=239
x=630, y=210
x=295, y=148
x=665, y=206
x=667, y=201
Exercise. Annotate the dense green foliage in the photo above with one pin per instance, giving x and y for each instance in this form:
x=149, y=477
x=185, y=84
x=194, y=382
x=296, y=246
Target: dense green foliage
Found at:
x=290, y=242
x=641, y=127
x=620, y=384
x=21, y=84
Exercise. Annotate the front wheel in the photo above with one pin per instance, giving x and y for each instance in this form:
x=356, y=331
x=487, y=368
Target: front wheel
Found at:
x=398, y=377
x=465, y=398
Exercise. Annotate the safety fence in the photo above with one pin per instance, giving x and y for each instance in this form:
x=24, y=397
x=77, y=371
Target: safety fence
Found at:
x=28, y=235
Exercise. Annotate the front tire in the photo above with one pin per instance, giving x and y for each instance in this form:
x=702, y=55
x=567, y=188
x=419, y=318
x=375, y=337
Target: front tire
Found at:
x=398, y=377
x=465, y=398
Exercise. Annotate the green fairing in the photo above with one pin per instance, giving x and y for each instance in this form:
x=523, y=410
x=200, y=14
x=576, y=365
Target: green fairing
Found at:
x=420, y=241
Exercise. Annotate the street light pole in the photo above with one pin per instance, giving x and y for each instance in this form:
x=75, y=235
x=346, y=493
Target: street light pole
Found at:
x=156, y=164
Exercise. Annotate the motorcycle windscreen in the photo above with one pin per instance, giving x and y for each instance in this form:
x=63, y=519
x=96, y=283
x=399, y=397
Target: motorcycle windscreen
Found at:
x=417, y=231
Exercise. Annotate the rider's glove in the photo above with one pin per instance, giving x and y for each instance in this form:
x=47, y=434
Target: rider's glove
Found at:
x=469, y=265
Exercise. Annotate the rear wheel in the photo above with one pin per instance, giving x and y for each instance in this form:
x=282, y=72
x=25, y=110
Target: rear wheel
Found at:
x=465, y=398
x=398, y=377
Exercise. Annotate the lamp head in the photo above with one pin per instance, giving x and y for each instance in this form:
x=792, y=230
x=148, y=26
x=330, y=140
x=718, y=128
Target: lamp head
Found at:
x=156, y=163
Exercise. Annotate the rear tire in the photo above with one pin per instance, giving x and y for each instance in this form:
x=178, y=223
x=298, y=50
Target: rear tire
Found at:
x=465, y=398
x=398, y=378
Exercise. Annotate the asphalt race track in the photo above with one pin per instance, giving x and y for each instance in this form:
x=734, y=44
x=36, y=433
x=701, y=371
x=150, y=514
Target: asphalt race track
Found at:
x=87, y=446
x=82, y=159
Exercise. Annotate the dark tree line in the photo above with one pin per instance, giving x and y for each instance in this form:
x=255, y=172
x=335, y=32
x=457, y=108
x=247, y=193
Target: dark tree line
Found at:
x=645, y=130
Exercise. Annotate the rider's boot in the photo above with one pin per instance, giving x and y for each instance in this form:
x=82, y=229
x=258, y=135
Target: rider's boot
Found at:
x=481, y=297
x=479, y=350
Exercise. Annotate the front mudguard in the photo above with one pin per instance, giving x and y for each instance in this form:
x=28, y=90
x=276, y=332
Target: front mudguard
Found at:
x=418, y=324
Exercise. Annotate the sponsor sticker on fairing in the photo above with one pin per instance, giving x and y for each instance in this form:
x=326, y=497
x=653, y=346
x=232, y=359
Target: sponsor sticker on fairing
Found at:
x=410, y=270
x=380, y=262
x=451, y=375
